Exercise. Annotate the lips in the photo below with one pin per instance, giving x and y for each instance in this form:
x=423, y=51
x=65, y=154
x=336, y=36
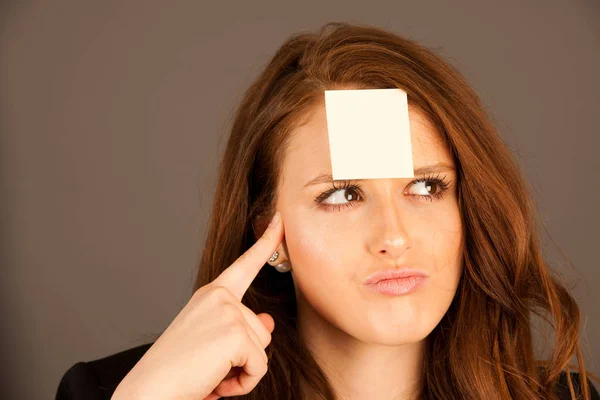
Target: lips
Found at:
x=397, y=286
x=393, y=274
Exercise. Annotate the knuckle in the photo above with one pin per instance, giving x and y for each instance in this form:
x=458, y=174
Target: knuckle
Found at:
x=220, y=293
x=200, y=292
x=239, y=336
x=265, y=369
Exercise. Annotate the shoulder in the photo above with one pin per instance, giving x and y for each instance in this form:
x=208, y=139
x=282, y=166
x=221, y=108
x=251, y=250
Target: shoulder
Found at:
x=99, y=378
x=562, y=388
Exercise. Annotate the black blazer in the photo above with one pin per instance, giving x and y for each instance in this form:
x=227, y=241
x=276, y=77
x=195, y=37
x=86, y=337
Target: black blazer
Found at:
x=98, y=379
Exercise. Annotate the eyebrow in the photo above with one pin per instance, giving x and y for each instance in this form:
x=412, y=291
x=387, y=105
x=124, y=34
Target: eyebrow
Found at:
x=426, y=169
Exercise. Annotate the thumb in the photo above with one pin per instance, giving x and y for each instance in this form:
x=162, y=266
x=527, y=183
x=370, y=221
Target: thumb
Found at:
x=267, y=321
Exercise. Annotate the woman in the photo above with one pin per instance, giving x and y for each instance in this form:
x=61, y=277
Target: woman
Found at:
x=466, y=222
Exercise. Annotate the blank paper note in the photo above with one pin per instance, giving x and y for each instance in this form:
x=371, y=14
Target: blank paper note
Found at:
x=369, y=133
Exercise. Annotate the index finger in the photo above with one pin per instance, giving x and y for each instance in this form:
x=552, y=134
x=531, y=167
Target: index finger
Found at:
x=239, y=275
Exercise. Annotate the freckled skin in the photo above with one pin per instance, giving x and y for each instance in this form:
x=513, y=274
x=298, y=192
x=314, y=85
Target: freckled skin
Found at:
x=333, y=251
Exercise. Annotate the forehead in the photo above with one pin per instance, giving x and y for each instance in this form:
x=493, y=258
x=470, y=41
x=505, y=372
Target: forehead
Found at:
x=308, y=151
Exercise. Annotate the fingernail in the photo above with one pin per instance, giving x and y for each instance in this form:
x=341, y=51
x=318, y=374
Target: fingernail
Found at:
x=275, y=219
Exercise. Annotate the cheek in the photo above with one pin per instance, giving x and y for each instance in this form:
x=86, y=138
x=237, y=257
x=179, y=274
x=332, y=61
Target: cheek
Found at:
x=439, y=249
x=442, y=246
x=323, y=257
x=317, y=249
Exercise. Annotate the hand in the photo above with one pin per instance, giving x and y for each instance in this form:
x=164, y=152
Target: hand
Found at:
x=215, y=346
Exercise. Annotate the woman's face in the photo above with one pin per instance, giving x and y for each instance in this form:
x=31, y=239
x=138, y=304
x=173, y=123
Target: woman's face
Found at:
x=335, y=243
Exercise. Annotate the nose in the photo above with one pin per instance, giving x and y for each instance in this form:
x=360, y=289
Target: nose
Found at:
x=391, y=238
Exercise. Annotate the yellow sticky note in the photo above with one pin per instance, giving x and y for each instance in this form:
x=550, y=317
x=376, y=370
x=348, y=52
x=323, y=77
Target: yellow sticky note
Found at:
x=369, y=133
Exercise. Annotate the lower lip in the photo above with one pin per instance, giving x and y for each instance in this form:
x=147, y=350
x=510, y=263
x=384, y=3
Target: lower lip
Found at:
x=398, y=286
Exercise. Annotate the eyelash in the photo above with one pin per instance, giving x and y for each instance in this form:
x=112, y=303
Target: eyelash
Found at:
x=347, y=185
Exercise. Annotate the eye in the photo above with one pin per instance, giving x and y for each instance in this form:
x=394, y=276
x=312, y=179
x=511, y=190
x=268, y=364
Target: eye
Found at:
x=338, y=197
x=430, y=187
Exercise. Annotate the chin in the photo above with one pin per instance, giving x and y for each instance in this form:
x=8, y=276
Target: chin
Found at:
x=391, y=339
x=389, y=333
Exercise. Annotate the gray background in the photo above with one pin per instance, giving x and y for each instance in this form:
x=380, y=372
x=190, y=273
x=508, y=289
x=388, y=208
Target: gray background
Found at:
x=113, y=115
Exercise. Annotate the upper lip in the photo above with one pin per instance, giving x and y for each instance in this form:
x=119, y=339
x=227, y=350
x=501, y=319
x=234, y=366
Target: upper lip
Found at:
x=392, y=274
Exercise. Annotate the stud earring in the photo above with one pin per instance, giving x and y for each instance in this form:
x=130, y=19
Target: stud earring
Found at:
x=283, y=267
